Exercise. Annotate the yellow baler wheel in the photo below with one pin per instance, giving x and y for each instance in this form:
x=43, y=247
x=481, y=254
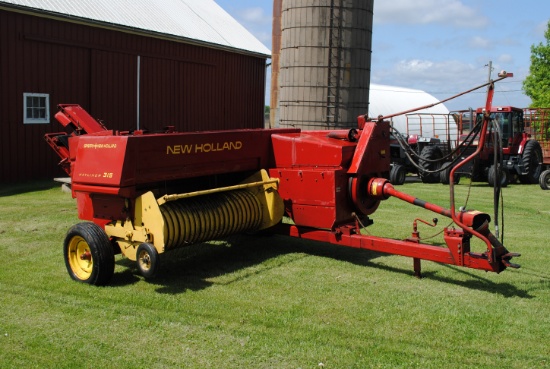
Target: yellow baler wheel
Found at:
x=147, y=259
x=80, y=258
x=89, y=255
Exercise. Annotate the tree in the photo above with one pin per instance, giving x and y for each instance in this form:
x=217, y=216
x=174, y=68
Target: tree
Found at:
x=537, y=83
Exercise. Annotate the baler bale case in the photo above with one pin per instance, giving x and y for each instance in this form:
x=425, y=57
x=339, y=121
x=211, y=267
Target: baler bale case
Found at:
x=143, y=194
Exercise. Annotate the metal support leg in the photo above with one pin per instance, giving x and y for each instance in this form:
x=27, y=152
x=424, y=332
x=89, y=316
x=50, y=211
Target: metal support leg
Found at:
x=417, y=268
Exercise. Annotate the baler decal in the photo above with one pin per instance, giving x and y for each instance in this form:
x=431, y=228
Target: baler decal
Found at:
x=91, y=175
x=179, y=149
x=99, y=146
x=203, y=147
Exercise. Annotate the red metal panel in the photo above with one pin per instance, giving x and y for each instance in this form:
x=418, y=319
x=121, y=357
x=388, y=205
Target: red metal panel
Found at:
x=114, y=89
x=30, y=66
x=125, y=161
x=7, y=82
x=374, y=142
x=191, y=87
x=308, y=192
x=314, y=149
x=100, y=160
x=177, y=93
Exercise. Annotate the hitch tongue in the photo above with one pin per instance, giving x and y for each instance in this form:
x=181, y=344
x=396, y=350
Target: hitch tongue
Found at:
x=506, y=260
x=499, y=251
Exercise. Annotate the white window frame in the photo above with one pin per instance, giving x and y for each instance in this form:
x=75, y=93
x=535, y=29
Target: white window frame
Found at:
x=30, y=120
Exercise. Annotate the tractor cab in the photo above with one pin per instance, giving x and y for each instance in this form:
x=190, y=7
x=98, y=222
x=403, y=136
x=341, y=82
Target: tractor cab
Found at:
x=511, y=128
x=509, y=122
x=521, y=154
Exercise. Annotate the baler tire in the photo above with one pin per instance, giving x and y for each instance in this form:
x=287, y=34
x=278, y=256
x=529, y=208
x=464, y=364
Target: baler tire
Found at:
x=398, y=174
x=491, y=177
x=148, y=260
x=429, y=153
x=532, y=162
x=544, y=180
x=89, y=255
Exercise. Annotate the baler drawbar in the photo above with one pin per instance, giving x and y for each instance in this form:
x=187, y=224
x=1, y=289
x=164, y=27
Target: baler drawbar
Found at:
x=143, y=194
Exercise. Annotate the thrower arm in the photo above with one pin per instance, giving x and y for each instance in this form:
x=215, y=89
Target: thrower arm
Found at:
x=77, y=120
x=482, y=138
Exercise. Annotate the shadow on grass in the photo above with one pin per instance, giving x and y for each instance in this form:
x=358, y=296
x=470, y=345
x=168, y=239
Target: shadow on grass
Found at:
x=126, y=277
x=194, y=267
x=10, y=189
x=478, y=283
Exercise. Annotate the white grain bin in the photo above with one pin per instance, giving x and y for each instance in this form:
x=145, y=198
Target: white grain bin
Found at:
x=434, y=121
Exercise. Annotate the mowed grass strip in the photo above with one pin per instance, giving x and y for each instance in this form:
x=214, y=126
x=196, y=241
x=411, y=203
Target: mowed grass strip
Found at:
x=277, y=302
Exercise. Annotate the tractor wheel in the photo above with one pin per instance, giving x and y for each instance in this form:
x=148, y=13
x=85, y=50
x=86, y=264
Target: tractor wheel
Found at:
x=147, y=258
x=429, y=153
x=445, y=174
x=398, y=173
x=492, y=176
x=532, y=162
x=89, y=255
x=544, y=180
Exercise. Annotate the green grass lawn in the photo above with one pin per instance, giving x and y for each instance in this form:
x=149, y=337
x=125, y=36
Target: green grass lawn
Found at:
x=276, y=302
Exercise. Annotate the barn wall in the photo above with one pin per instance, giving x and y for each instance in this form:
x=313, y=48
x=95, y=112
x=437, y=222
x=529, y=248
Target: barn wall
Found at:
x=188, y=86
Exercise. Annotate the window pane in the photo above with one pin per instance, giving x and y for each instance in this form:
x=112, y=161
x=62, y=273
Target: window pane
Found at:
x=36, y=109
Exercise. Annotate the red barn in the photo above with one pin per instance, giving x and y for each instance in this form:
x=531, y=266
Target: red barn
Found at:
x=134, y=64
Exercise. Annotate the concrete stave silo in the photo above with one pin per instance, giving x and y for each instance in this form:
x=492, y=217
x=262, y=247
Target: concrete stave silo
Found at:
x=323, y=69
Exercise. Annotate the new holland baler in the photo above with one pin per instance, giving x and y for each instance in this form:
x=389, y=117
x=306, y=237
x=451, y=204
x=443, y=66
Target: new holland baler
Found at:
x=143, y=194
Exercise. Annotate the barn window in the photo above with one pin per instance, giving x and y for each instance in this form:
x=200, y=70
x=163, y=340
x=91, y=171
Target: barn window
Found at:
x=36, y=108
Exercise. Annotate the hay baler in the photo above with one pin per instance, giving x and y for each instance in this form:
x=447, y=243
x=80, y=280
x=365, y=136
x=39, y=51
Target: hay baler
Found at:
x=143, y=194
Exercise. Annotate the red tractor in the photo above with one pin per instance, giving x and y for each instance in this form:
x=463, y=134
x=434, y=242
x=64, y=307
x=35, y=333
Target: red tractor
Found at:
x=510, y=151
x=421, y=148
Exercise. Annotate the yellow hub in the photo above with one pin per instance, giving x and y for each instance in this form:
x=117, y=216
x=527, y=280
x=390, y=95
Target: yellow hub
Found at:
x=80, y=258
x=144, y=260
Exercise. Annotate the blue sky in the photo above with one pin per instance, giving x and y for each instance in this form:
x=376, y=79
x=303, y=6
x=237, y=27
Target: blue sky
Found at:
x=439, y=46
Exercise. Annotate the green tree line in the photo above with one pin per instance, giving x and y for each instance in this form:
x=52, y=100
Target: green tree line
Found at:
x=537, y=83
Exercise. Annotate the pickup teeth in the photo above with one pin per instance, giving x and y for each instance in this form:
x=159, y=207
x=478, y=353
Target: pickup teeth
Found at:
x=209, y=217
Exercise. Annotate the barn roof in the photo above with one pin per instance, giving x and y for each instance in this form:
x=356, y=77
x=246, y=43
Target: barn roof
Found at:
x=201, y=22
